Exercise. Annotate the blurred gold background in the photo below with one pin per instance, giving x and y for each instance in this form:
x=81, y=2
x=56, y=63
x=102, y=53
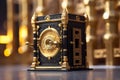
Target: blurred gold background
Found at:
x=103, y=28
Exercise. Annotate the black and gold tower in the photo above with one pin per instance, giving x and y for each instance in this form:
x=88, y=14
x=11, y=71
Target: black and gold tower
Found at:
x=59, y=42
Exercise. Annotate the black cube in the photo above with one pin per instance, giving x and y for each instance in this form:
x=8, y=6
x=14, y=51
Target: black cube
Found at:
x=59, y=42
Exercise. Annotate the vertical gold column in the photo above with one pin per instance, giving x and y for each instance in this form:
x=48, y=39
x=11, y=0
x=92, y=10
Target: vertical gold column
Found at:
x=91, y=30
x=9, y=46
x=10, y=19
x=65, y=64
x=23, y=29
x=64, y=17
x=110, y=36
x=35, y=59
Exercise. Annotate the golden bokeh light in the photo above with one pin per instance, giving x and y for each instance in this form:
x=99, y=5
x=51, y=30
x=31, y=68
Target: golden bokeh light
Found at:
x=4, y=39
x=23, y=31
x=22, y=49
x=7, y=52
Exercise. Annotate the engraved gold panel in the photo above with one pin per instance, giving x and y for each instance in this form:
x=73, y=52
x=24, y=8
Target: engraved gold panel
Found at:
x=49, y=42
x=77, y=54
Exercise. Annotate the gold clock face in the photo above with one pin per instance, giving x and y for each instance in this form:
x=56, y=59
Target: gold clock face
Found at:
x=49, y=42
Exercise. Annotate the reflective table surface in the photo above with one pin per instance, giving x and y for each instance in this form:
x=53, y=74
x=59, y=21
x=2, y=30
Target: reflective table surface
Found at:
x=21, y=73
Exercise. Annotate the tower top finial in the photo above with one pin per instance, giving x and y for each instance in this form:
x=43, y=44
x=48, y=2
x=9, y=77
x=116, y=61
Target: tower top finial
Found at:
x=33, y=18
x=65, y=11
x=64, y=18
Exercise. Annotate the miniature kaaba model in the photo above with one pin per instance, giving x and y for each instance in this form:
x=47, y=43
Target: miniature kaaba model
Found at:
x=59, y=42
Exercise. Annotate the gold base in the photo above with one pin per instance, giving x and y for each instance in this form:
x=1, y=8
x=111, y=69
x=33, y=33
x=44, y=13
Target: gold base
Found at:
x=56, y=68
x=45, y=68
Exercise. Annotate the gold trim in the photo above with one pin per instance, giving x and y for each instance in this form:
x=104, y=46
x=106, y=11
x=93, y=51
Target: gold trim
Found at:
x=64, y=36
x=64, y=17
x=77, y=50
x=38, y=27
x=71, y=42
x=34, y=32
x=60, y=24
x=65, y=58
x=34, y=59
x=47, y=18
x=34, y=51
x=60, y=62
x=64, y=49
x=48, y=67
x=54, y=20
x=35, y=29
x=33, y=18
x=32, y=68
x=65, y=29
x=65, y=64
x=33, y=64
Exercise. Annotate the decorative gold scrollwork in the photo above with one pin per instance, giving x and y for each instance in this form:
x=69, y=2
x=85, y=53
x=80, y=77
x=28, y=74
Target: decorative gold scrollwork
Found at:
x=49, y=43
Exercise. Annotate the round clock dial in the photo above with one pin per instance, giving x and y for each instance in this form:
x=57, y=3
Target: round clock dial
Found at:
x=49, y=42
